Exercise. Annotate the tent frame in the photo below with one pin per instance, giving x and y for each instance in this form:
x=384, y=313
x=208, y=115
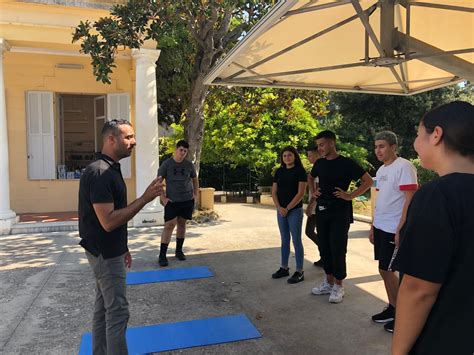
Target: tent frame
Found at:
x=394, y=49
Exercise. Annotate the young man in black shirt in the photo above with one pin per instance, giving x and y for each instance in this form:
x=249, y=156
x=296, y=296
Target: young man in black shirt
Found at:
x=435, y=304
x=103, y=217
x=334, y=211
x=310, y=229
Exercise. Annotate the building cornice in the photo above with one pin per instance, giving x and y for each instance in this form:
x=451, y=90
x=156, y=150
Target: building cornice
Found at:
x=66, y=53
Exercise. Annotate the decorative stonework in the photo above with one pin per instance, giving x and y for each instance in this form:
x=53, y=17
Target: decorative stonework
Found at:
x=93, y=4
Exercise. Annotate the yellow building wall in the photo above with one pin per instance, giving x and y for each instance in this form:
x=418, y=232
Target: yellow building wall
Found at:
x=37, y=72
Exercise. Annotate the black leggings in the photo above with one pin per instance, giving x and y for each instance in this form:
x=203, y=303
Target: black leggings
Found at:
x=333, y=229
x=310, y=230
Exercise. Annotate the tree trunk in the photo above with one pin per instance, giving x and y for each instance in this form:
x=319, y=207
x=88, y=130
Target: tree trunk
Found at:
x=194, y=123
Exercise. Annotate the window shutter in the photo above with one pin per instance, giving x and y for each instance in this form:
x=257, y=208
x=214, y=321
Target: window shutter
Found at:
x=40, y=128
x=118, y=107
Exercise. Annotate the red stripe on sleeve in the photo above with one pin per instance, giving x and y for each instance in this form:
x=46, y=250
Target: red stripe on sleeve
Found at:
x=408, y=187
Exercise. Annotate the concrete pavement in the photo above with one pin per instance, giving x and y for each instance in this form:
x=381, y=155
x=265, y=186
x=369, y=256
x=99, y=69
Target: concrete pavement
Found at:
x=47, y=290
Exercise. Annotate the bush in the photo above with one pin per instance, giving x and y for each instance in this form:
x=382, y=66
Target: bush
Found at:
x=424, y=175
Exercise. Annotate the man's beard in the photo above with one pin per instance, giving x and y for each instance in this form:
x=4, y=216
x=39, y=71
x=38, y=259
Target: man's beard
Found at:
x=125, y=153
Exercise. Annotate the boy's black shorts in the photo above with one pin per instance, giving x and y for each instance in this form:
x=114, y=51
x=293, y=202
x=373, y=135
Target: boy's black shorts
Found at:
x=384, y=245
x=182, y=209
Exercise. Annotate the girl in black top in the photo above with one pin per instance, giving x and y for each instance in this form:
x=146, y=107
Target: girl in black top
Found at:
x=435, y=306
x=289, y=184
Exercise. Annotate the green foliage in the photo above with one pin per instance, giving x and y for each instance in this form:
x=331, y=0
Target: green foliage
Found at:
x=173, y=75
x=187, y=31
x=250, y=126
x=424, y=175
x=356, y=118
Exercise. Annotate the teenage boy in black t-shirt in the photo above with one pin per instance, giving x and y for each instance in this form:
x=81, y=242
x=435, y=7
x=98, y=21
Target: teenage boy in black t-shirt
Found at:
x=310, y=229
x=435, y=303
x=334, y=211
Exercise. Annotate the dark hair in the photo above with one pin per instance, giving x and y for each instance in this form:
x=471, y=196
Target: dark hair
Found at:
x=295, y=153
x=327, y=135
x=112, y=126
x=457, y=121
x=182, y=143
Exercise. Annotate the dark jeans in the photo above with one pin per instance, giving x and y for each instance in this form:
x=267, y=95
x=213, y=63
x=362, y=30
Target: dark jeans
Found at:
x=333, y=229
x=111, y=307
x=310, y=230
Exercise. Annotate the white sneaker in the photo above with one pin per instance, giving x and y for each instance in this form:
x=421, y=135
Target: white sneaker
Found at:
x=324, y=288
x=337, y=294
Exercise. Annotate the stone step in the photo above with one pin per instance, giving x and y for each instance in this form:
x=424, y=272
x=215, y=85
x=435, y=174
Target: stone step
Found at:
x=44, y=227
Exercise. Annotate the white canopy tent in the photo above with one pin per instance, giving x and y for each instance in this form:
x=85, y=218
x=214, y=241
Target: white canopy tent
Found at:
x=399, y=47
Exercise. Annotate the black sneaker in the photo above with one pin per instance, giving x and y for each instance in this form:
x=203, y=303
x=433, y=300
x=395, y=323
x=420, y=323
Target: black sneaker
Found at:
x=319, y=263
x=163, y=261
x=389, y=326
x=281, y=273
x=180, y=255
x=298, y=276
x=387, y=315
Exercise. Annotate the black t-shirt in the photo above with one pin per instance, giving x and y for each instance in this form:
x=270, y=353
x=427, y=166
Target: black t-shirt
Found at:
x=437, y=245
x=287, y=181
x=334, y=173
x=102, y=182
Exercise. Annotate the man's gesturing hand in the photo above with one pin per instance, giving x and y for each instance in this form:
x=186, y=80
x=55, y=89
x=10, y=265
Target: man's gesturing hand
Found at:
x=153, y=190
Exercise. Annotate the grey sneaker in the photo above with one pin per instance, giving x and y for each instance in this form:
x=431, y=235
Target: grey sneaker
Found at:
x=324, y=288
x=337, y=294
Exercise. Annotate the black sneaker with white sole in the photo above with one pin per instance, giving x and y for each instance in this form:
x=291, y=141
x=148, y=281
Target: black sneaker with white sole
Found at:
x=281, y=272
x=387, y=315
x=389, y=326
x=298, y=276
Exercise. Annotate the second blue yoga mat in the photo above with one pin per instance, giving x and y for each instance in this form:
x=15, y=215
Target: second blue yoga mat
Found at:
x=188, y=273
x=181, y=335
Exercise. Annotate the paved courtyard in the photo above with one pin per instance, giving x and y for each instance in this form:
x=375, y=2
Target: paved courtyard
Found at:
x=46, y=290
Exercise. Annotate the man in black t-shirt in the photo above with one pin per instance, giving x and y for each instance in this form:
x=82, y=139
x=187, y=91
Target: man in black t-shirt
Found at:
x=103, y=217
x=334, y=211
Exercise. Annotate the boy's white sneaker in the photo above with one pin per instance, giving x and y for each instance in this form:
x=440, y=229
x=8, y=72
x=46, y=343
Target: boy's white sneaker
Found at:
x=337, y=293
x=324, y=288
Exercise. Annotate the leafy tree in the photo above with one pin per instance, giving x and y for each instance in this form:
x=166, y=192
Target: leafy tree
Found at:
x=249, y=127
x=358, y=117
x=205, y=28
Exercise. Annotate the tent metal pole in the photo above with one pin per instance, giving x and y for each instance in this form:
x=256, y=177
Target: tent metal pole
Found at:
x=373, y=37
x=436, y=57
x=301, y=71
x=438, y=6
x=316, y=8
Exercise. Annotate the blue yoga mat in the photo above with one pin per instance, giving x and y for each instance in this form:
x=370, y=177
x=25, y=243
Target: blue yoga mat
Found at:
x=182, y=335
x=146, y=277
